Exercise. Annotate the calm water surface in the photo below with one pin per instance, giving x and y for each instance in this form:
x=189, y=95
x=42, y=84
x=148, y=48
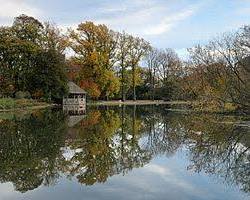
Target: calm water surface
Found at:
x=132, y=152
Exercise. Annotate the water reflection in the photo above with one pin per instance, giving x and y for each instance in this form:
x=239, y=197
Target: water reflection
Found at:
x=30, y=149
x=36, y=149
x=73, y=110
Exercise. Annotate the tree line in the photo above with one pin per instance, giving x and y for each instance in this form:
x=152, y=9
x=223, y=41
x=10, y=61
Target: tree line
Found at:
x=117, y=65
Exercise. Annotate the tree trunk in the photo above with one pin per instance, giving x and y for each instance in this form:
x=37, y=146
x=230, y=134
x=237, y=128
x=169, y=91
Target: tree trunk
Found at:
x=153, y=78
x=123, y=90
x=134, y=118
x=134, y=92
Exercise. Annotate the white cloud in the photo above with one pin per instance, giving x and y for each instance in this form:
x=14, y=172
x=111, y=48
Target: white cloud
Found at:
x=146, y=18
x=170, y=175
x=169, y=21
x=7, y=190
x=12, y=8
x=134, y=22
x=160, y=170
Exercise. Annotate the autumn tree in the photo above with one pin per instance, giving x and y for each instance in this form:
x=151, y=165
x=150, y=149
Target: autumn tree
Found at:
x=243, y=45
x=95, y=46
x=221, y=69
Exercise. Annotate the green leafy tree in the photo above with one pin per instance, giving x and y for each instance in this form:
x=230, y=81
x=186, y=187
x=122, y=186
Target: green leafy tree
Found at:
x=32, y=59
x=49, y=76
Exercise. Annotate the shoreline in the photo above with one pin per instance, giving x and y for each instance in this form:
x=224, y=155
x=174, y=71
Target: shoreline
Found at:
x=99, y=103
x=29, y=108
x=19, y=105
x=137, y=102
x=177, y=106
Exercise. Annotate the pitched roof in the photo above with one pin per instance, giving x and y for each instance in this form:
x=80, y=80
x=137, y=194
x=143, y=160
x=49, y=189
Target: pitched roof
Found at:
x=75, y=89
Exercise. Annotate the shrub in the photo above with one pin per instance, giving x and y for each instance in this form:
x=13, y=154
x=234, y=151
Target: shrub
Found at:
x=7, y=103
x=22, y=95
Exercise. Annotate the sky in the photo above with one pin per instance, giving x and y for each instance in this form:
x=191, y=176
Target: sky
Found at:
x=177, y=24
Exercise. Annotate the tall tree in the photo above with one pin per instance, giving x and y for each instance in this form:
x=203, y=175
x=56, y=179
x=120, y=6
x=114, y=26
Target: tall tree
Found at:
x=123, y=62
x=95, y=47
x=138, y=48
x=21, y=43
x=28, y=49
x=7, y=59
x=53, y=39
x=153, y=65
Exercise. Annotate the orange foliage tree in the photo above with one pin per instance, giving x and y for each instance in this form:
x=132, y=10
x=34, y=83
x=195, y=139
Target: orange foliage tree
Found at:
x=94, y=46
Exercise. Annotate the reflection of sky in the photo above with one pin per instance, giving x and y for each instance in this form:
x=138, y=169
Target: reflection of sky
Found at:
x=162, y=178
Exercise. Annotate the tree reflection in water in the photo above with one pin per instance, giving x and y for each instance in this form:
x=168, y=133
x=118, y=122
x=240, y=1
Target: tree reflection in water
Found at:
x=29, y=149
x=36, y=149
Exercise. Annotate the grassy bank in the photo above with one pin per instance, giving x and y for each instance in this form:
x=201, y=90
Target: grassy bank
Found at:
x=8, y=104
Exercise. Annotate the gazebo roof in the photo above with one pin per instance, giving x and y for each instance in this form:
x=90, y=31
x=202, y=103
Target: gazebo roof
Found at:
x=75, y=89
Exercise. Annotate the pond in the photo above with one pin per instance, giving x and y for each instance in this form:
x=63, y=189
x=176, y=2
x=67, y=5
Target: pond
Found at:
x=127, y=152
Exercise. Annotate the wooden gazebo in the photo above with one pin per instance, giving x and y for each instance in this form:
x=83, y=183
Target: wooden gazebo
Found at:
x=76, y=96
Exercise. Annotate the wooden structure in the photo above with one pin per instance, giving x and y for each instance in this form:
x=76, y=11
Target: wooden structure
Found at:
x=76, y=97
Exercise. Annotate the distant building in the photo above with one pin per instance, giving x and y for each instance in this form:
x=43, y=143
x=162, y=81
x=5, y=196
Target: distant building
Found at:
x=76, y=97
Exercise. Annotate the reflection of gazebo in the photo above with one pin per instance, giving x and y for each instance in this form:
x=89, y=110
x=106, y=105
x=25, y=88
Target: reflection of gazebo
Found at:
x=75, y=119
x=76, y=97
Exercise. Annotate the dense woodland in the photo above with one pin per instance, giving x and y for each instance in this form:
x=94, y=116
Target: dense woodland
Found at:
x=117, y=65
